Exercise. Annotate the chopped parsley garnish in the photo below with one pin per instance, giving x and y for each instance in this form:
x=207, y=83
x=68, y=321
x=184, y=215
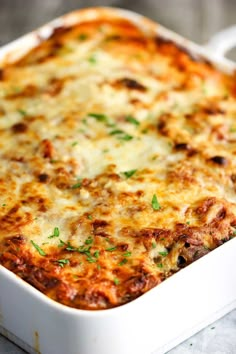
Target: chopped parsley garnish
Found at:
x=126, y=137
x=116, y=281
x=130, y=173
x=90, y=259
x=92, y=59
x=116, y=132
x=99, y=117
x=76, y=185
x=160, y=265
x=74, y=143
x=90, y=217
x=56, y=233
x=61, y=243
x=188, y=222
x=40, y=251
x=155, y=203
x=69, y=247
x=83, y=249
x=82, y=36
x=22, y=112
x=98, y=266
x=127, y=254
x=62, y=262
x=3, y=205
x=154, y=245
x=234, y=232
x=121, y=134
x=96, y=254
x=111, y=249
x=164, y=253
x=132, y=120
x=124, y=261
x=89, y=240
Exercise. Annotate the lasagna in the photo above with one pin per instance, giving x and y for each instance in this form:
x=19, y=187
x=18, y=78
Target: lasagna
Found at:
x=117, y=162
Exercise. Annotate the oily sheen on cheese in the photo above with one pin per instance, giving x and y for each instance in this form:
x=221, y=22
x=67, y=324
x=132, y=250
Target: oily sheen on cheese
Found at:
x=117, y=162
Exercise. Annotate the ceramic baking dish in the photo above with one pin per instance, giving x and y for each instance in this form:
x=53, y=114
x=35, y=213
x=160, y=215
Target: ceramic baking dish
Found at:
x=158, y=320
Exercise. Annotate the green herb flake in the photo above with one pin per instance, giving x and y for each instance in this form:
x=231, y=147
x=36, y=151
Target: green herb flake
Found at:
x=130, y=173
x=98, y=266
x=61, y=243
x=62, y=262
x=116, y=281
x=144, y=131
x=40, y=251
x=155, y=203
x=4, y=204
x=127, y=254
x=121, y=135
x=124, y=261
x=56, y=233
x=111, y=249
x=126, y=137
x=160, y=265
x=89, y=240
x=69, y=247
x=154, y=245
x=90, y=217
x=74, y=143
x=132, y=120
x=116, y=132
x=82, y=36
x=234, y=232
x=99, y=117
x=83, y=249
x=164, y=253
x=22, y=112
x=90, y=259
x=188, y=222
x=96, y=254
x=232, y=130
x=92, y=59
x=76, y=185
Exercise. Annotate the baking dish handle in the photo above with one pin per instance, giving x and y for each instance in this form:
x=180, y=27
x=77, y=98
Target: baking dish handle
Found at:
x=222, y=42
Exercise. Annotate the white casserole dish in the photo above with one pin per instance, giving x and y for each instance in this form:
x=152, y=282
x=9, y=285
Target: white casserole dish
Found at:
x=155, y=322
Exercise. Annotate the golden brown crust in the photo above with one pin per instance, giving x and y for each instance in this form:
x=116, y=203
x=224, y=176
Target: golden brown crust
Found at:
x=117, y=162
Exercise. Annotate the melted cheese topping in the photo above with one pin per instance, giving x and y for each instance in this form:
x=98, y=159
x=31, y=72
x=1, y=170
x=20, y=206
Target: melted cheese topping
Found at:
x=117, y=156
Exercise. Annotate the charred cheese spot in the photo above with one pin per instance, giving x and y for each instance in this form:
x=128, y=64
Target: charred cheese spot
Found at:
x=117, y=166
